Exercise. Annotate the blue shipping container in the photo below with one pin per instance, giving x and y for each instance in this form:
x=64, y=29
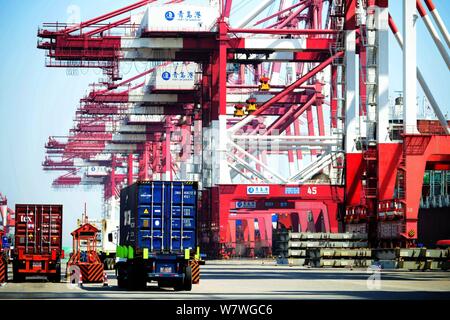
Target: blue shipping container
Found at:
x=159, y=216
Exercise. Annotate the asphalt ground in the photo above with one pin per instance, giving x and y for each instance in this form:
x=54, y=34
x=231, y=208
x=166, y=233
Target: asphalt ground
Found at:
x=245, y=280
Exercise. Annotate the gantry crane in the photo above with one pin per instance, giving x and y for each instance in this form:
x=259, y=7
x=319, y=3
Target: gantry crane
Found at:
x=289, y=116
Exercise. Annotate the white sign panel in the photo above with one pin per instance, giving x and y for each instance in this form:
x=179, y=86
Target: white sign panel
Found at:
x=180, y=17
x=96, y=172
x=258, y=190
x=141, y=118
x=175, y=76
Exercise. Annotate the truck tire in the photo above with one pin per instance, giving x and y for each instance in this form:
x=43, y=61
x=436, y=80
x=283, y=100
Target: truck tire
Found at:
x=57, y=277
x=187, y=283
x=122, y=282
x=17, y=277
x=137, y=279
x=179, y=286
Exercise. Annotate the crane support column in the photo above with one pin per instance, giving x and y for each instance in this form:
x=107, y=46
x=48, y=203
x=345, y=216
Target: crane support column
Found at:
x=353, y=156
x=409, y=66
x=389, y=152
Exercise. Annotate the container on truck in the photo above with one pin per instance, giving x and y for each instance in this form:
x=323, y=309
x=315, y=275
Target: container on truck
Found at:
x=158, y=235
x=38, y=242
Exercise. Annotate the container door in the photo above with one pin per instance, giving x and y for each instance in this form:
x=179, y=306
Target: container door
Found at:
x=180, y=219
x=50, y=228
x=167, y=216
x=150, y=216
x=25, y=228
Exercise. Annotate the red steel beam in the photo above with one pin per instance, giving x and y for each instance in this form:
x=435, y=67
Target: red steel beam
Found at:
x=292, y=16
x=107, y=27
x=279, y=12
x=285, y=31
x=290, y=116
x=137, y=76
x=227, y=8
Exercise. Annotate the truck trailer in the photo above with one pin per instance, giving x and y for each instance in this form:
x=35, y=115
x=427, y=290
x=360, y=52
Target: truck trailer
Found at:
x=38, y=242
x=158, y=235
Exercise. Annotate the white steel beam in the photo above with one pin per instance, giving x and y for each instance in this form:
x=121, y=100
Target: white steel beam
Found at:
x=382, y=51
x=132, y=43
x=313, y=168
x=351, y=103
x=161, y=98
x=253, y=14
x=425, y=88
x=409, y=67
x=256, y=160
x=125, y=148
x=439, y=22
x=239, y=172
x=275, y=137
x=129, y=138
x=248, y=167
x=270, y=43
x=433, y=32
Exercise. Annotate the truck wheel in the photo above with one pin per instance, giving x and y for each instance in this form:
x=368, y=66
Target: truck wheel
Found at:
x=17, y=277
x=179, y=286
x=121, y=274
x=57, y=277
x=188, y=279
x=137, y=279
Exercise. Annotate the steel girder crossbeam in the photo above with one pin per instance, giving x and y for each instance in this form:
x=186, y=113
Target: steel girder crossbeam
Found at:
x=285, y=92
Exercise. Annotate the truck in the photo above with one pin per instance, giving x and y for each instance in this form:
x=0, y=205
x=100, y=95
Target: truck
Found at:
x=158, y=234
x=38, y=242
x=110, y=232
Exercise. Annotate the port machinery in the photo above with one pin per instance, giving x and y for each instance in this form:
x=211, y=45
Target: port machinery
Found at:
x=288, y=114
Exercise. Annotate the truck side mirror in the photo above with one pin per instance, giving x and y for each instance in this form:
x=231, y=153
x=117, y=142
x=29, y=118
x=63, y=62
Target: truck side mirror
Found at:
x=110, y=237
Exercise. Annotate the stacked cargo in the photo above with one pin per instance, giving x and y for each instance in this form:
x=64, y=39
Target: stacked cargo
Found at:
x=412, y=259
x=437, y=259
x=38, y=241
x=423, y=259
x=329, y=250
x=280, y=241
x=386, y=258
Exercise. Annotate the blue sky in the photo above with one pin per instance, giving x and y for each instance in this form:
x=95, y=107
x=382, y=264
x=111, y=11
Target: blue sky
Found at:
x=37, y=102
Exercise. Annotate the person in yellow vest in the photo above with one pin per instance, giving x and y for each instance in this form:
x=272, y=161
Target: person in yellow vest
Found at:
x=239, y=110
x=264, y=84
x=251, y=105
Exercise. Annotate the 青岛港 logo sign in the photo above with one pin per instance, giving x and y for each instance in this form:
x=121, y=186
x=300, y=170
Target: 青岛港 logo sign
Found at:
x=170, y=15
x=252, y=190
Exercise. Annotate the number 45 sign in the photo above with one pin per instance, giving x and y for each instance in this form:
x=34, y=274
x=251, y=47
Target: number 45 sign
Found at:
x=311, y=190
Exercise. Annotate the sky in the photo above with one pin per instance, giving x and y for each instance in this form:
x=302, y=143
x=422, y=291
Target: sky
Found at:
x=37, y=102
